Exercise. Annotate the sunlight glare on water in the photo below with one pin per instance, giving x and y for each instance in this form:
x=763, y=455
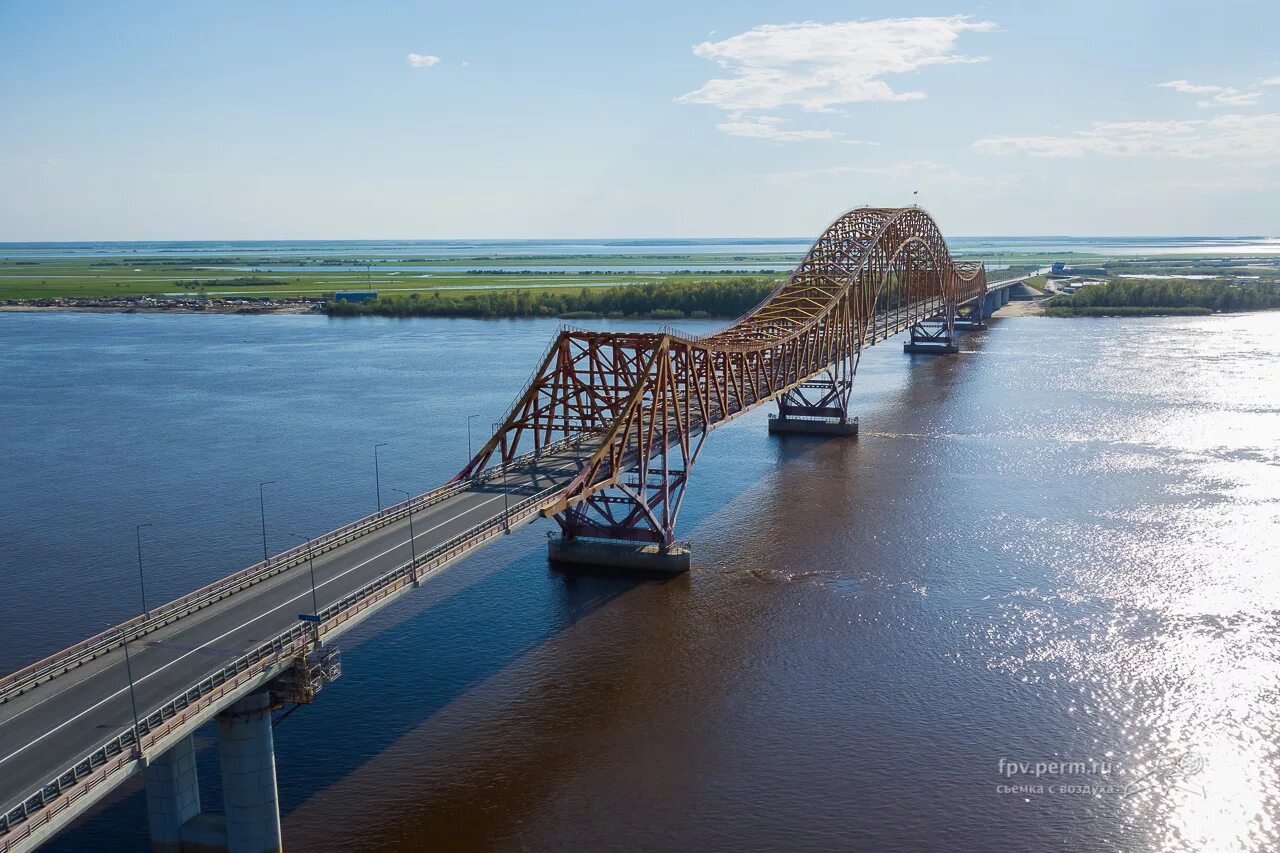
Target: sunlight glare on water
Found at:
x=1164, y=618
x=1058, y=546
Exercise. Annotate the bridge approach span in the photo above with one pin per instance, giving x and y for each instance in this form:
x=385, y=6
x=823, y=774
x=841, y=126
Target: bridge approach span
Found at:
x=602, y=439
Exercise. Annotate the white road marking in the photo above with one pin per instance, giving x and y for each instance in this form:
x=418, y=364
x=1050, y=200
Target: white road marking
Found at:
x=305, y=594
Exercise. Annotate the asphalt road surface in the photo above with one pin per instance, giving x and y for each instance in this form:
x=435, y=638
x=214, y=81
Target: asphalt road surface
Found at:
x=50, y=728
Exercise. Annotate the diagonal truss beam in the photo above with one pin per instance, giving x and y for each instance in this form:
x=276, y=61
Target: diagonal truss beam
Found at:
x=639, y=405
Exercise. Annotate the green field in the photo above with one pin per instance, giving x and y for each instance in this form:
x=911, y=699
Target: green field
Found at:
x=485, y=276
x=26, y=280
x=239, y=276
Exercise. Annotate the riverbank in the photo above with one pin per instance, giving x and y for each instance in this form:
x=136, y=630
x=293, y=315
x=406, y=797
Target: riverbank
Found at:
x=1128, y=311
x=1023, y=308
x=292, y=310
x=665, y=300
x=281, y=279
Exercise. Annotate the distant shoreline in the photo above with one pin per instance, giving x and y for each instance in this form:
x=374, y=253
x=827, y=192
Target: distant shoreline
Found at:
x=288, y=310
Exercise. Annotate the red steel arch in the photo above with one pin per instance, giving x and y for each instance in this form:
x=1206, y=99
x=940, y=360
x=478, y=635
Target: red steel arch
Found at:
x=634, y=408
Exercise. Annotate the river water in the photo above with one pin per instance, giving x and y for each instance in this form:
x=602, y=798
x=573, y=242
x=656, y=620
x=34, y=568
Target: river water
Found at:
x=512, y=251
x=1057, y=546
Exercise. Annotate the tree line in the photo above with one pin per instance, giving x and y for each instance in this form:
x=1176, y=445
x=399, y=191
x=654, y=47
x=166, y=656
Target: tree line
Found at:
x=662, y=300
x=1218, y=295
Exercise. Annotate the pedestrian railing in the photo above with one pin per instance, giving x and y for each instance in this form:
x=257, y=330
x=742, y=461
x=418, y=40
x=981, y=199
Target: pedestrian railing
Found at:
x=120, y=752
x=17, y=683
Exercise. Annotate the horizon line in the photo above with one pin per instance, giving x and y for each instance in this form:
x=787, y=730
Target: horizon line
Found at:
x=617, y=238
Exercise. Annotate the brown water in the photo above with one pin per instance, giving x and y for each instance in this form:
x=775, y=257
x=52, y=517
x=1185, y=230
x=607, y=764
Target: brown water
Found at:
x=1058, y=546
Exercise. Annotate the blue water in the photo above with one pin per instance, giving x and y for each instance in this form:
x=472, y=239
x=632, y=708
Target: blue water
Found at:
x=375, y=249
x=1059, y=544
x=498, y=267
x=264, y=251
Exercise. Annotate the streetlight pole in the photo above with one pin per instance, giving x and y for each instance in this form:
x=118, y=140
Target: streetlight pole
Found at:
x=413, y=548
x=142, y=581
x=262, y=513
x=506, y=508
x=377, y=476
x=469, y=417
x=315, y=606
x=133, y=700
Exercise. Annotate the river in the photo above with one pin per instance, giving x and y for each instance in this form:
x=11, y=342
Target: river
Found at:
x=266, y=253
x=1058, y=546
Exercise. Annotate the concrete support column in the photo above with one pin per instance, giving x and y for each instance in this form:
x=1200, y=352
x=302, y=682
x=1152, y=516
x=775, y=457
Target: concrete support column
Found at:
x=1004, y=296
x=789, y=425
x=619, y=554
x=247, y=754
x=173, y=795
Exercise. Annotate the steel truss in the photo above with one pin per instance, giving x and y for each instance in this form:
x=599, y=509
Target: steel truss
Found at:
x=641, y=404
x=940, y=328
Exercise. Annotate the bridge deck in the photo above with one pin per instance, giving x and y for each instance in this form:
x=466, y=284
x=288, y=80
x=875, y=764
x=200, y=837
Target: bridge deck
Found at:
x=54, y=725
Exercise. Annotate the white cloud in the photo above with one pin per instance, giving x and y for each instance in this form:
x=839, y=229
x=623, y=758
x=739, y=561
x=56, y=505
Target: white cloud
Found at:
x=1231, y=136
x=1233, y=99
x=422, y=60
x=1189, y=88
x=768, y=127
x=817, y=67
x=1223, y=96
x=1271, y=81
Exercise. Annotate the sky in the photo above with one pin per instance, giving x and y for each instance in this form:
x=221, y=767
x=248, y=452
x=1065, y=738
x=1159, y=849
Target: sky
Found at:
x=435, y=120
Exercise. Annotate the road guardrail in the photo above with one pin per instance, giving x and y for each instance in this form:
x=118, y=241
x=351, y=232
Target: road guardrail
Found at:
x=31, y=676
x=117, y=753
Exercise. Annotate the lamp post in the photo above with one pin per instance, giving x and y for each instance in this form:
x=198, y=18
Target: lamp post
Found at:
x=413, y=548
x=377, y=475
x=506, y=507
x=469, y=417
x=133, y=700
x=262, y=513
x=315, y=606
x=142, y=581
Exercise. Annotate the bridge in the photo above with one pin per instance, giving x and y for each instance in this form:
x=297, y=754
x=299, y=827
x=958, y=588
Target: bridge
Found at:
x=601, y=439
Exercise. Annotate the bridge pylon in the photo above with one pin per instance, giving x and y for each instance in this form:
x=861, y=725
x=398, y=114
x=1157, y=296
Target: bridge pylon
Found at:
x=817, y=407
x=934, y=335
x=972, y=315
x=629, y=522
x=637, y=406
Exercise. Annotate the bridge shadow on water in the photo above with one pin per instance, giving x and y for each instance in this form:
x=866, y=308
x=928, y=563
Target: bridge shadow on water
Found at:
x=481, y=619
x=400, y=669
x=430, y=658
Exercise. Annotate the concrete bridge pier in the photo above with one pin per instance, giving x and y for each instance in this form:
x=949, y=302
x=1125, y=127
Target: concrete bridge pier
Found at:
x=975, y=318
x=596, y=554
x=173, y=795
x=817, y=407
x=246, y=751
x=932, y=338
x=785, y=423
